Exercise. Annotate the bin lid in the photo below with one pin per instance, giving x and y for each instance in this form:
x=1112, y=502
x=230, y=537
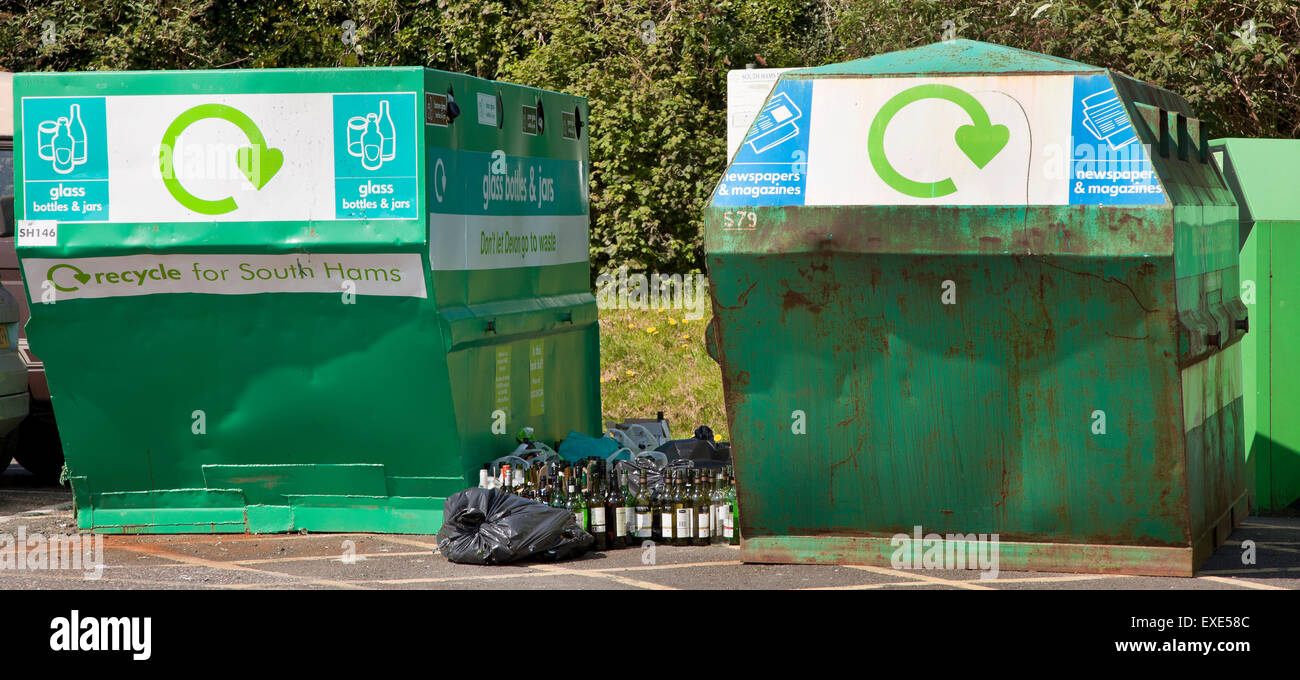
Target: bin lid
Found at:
x=1261, y=172
x=963, y=123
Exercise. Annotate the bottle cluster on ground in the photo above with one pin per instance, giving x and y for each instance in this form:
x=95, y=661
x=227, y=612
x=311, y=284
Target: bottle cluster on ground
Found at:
x=694, y=506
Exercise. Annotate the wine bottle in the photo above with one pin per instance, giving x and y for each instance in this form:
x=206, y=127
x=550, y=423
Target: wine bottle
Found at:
x=629, y=509
x=615, y=508
x=596, y=513
x=732, y=529
x=685, y=512
x=644, y=511
x=668, y=511
x=703, y=509
x=720, y=508
x=557, y=493
x=576, y=504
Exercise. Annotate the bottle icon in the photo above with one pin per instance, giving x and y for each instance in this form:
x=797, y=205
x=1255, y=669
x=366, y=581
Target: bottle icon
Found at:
x=64, y=148
x=386, y=131
x=78, y=131
x=372, y=144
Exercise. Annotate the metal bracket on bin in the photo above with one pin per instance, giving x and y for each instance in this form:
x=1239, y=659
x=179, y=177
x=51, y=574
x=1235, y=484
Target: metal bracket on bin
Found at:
x=1193, y=330
x=1239, y=315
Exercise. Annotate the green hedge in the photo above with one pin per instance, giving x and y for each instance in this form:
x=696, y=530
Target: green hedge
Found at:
x=658, y=102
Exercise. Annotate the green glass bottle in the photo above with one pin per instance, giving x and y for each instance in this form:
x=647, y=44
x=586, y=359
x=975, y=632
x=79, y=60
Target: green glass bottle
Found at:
x=558, y=499
x=644, y=511
x=667, y=511
x=576, y=504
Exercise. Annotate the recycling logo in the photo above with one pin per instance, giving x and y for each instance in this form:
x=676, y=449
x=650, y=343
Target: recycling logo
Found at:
x=82, y=277
x=257, y=161
x=981, y=141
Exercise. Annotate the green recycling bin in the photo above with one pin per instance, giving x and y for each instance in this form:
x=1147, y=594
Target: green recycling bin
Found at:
x=282, y=300
x=956, y=297
x=1261, y=174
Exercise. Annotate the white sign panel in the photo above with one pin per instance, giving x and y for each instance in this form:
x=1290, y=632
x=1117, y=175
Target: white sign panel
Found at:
x=392, y=274
x=221, y=157
x=974, y=140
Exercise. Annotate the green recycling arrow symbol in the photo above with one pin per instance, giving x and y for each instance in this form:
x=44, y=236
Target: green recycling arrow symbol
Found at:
x=81, y=276
x=258, y=162
x=980, y=141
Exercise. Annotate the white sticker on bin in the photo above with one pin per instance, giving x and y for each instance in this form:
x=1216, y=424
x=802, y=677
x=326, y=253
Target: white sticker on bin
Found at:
x=37, y=233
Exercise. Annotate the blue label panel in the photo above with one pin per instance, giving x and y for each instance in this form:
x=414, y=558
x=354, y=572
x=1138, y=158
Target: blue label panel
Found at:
x=1108, y=165
x=65, y=159
x=770, y=168
x=375, y=156
x=482, y=183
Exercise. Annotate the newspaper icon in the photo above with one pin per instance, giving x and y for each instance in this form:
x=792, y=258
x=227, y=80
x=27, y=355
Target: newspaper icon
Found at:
x=774, y=124
x=1106, y=119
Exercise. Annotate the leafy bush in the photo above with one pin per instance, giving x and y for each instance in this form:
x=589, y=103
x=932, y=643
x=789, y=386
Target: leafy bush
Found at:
x=658, y=105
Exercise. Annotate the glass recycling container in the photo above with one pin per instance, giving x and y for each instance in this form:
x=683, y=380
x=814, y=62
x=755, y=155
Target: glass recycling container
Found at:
x=317, y=299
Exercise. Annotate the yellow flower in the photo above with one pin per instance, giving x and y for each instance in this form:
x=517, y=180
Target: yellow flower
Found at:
x=631, y=325
x=686, y=336
x=717, y=437
x=650, y=329
x=672, y=321
x=631, y=372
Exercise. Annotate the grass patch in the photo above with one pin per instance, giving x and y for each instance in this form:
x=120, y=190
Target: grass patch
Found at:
x=652, y=360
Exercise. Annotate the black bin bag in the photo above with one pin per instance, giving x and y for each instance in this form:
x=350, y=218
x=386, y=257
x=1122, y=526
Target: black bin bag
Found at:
x=490, y=526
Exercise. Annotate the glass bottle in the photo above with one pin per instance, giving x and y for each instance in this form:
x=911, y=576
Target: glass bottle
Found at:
x=576, y=503
x=732, y=530
x=703, y=509
x=615, y=508
x=720, y=508
x=667, y=511
x=596, y=513
x=644, y=511
x=685, y=512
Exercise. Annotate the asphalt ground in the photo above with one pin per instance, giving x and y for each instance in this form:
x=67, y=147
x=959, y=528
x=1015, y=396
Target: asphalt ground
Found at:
x=380, y=561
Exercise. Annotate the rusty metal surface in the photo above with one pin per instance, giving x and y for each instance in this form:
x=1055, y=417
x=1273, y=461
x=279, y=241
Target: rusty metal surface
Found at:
x=862, y=406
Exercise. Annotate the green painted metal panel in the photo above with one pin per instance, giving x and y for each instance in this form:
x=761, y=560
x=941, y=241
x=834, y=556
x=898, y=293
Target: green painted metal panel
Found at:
x=968, y=288
x=274, y=299
x=954, y=56
x=1259, y=172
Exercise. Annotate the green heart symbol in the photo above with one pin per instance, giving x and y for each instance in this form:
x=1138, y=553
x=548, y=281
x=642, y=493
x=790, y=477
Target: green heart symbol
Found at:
x=259, y=163
x=83, y=278
x=981, y=143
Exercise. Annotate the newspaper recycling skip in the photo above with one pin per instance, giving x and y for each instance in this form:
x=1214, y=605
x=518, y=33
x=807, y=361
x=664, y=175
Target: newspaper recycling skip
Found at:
x=304, y=299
